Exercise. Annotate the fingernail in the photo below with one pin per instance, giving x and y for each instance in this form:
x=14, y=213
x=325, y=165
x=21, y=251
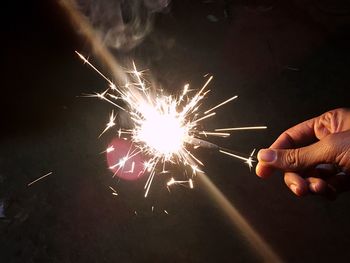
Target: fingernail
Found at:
x=267, y=155
x=313, y=187
x=294, y=188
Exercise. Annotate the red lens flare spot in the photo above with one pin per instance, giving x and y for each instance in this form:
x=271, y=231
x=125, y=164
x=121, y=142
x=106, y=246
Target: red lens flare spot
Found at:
x=124, y=160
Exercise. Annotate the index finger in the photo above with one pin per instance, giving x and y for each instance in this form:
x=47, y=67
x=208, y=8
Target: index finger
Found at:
x=300, y=135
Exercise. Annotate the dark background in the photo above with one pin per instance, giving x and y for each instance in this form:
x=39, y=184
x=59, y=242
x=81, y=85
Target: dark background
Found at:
x=287, y=60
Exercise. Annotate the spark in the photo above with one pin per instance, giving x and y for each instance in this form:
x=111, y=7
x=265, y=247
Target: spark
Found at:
x=40, y=178
x=132, y=168
x=172, y=181
x=149, y=183
x=163, y=126
x=195, y=169
x=250, y=160
x=114, y=192
x=242, y=128
x=221, y=104
x=205, y=117
x=190, y=182
x=94, y=68
x=110, y=149
x=110, y=124
x=220, y=134
x=165, y=211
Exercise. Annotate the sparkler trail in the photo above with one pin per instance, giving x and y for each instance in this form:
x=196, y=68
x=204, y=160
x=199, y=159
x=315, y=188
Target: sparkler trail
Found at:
x=222, y=103
x=242, y=128
x=164, y=127
x=188, y=182
x=40, y=178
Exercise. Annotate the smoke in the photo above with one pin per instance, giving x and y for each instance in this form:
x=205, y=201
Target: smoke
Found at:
x=122, y=24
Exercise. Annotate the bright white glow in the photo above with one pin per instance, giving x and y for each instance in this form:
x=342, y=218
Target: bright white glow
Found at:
x=163, y=126
x=163, y=132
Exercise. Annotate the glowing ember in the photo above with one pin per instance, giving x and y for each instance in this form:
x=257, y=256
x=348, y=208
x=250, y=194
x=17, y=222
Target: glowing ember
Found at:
x=162, y=129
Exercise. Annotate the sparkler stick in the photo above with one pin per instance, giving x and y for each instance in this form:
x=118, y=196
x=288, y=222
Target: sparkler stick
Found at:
x=248, y=160
x=234, y=155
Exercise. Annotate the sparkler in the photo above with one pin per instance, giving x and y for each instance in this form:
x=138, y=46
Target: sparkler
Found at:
x=164, y=127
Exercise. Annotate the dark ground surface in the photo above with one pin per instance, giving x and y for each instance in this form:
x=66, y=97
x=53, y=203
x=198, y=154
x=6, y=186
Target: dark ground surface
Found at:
x=71, y=216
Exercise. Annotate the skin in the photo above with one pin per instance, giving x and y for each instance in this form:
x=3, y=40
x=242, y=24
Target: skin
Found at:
x=314, y=155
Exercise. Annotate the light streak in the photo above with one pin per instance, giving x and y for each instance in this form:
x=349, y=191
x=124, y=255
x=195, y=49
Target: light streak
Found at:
x=110, y=149
x=190, y=182
x=110, y=124
x=205, y=117
x=114, y=192
x=242, y=128
x=40, y=178
x=163, y=126
x=221, y=104
x=219, y=134
x=264, y=250
x=172, y=181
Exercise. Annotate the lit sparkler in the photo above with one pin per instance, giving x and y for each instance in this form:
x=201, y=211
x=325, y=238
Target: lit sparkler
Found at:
x=164, y=128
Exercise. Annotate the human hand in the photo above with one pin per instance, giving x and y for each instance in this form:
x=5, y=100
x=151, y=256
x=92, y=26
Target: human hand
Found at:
x=314, y=155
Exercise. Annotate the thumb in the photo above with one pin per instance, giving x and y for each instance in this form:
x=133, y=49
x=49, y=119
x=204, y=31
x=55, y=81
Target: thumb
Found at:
x=297, y=159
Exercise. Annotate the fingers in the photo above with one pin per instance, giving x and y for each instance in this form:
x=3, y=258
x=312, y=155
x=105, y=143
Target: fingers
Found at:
x=333, y=121
x=297, y=159
x=307, y=132
x=297, y=136
x=296, y=183
x=324, y=182
x=264, y=171
x=328, y=188
x=301, y=187
x=316, y=185
x=287, y=154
